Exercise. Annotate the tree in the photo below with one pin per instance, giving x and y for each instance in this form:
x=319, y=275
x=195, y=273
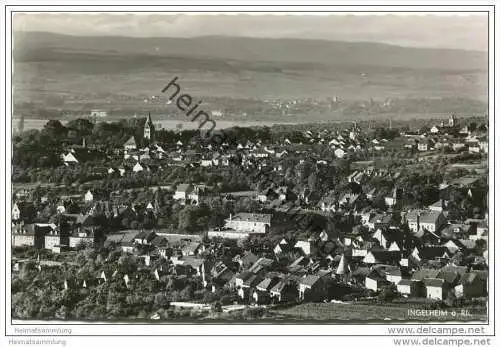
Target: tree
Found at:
x=54, y=129
x=187, y=218
x=82, y=127
x=312, y=181
x=388, y=293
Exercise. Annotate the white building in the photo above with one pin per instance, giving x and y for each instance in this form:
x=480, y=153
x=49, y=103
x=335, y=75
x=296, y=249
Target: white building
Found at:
x=98, y=114
x=88, y=196
x=249, y=222
x=16, y=212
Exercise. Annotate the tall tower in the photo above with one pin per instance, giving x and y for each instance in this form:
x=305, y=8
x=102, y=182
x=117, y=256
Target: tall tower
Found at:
x=452, y=121
x=149, y=129
x=20, y=126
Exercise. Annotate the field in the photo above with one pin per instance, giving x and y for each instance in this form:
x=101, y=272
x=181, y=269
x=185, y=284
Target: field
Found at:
x=369, y=312
x=78, y=74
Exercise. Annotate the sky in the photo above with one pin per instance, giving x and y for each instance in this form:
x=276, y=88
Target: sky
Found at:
x=468, y=32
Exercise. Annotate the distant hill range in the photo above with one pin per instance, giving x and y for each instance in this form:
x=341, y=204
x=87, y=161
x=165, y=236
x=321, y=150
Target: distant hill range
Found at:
x=41, y=46
x=242, y=76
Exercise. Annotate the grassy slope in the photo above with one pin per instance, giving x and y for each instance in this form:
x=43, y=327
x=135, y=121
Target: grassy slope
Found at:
x=331, y=311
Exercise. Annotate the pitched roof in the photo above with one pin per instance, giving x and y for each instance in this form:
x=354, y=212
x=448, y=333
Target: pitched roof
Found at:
x=252, y=281
x=261, y=264
x=405, y=282
x=425, y=273
x=433, y=282
x=309, y=280
x=191, y=247
x=472, y=276
x=130, y=142
x=252, y=217
x=183, y=187
x=432, y=252
x=425, y=216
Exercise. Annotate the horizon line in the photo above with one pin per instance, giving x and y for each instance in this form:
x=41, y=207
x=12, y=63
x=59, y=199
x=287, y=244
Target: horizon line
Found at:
x=115, y=35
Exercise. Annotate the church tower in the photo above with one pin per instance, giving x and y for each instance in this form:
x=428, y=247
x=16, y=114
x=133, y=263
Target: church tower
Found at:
x=452, y=121
x=149, y=129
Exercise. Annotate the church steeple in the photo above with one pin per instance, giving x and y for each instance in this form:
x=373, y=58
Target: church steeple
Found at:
x=149, y=129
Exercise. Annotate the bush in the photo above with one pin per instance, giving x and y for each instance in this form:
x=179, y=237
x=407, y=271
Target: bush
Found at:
x=388, y=293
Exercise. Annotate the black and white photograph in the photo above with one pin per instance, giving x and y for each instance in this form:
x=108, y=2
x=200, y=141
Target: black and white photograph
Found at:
x=208, y=168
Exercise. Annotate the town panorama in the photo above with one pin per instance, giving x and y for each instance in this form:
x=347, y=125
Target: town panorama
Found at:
x=297, y=190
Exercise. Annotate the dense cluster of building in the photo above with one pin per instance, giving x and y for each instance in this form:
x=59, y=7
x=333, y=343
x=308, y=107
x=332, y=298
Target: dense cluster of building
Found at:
x=421, y=252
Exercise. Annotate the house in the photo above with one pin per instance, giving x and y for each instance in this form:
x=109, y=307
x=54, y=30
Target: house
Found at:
x=16, y=212
x=98, y=114
x=89, y=197
x=391, y=273
x=183, y=191
x=457, y=146
x=130, y=145
x=283, y=246
x=375, y=281
x=394, y=247
x=430, y=253
x=391, y=200
x=424, y=273
x=438, y=206
x=285, y=290
x=451, y=274
x=435, y=288
x=328, y=235
x=457, y=231
x=138, y=168
x=312, y=288
x=53, y=240
x=194, y=265
x=329, y=203
x=144, y=237
x=308, y=247
x=26, y=235
x=207, y=162
x=267, y=195
x=472, y=284
x=221, y=274
x=380, y=220
x=191, y=249
x=241, y=278
x=286, y=194
x=375, y=256
x=425, y=220
x=245, y=290
x=349, y=199
x=343, y=268
x=262, y=265
x=411, y=288
x=261, y=295
x=424, y=145
x=483, y=145
x=81, y=238
x=474, y=148
x=382, y=237
x=69, y=159
x=246, y=260
x=249, y=222
x=339, y=153
x=465, y=246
